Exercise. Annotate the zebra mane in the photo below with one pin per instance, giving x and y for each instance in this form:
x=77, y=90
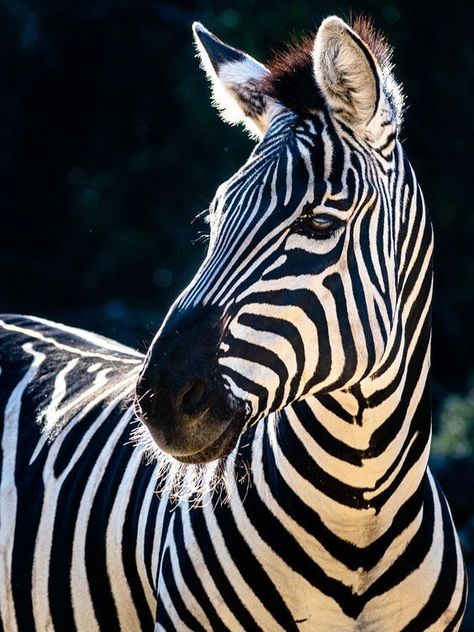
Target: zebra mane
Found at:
x=291, y=79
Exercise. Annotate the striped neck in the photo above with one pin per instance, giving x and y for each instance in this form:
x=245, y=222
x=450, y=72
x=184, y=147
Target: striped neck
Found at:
x=357, y=458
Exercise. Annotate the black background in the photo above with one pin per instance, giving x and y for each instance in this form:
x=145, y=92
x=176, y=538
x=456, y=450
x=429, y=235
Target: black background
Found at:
x=109, y=149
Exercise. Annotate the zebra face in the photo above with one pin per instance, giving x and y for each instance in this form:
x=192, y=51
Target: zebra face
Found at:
x=297, y=294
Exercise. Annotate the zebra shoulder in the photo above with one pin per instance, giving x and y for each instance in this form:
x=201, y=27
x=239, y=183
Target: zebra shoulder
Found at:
x=51, y=358
x=46, y=336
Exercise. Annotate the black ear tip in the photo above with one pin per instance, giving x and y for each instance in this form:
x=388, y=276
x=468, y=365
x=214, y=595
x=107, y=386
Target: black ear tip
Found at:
x=198, y=28
x=219, y=53
x=201, y=33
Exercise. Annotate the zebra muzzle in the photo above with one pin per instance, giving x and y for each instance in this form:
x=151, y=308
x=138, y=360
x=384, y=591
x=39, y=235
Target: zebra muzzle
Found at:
x=180, y=398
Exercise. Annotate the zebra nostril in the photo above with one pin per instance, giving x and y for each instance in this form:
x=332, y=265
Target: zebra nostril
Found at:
x=193, y=396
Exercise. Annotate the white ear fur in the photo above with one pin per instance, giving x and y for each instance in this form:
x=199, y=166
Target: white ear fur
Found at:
x=234, y=78
x=351, y=79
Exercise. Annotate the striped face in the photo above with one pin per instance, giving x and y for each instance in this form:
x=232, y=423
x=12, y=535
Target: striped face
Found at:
x=297, y=293
x=300, y=265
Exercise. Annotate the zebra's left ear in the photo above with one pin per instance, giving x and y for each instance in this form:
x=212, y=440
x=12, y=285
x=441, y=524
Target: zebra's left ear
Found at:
x=235, y=79
x=355, y=79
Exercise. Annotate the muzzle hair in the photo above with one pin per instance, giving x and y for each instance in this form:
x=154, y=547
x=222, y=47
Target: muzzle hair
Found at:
x=195, y=484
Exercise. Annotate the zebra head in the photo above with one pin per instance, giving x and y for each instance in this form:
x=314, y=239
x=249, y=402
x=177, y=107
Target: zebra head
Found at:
x=299, y=292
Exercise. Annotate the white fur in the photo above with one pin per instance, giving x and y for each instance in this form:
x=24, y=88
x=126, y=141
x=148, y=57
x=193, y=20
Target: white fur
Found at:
x=234, y=87
x=363, y=98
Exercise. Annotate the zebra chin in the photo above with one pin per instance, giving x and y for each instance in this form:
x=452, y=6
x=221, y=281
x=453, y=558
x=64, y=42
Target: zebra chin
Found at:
x=200, y=447
x=199, y=426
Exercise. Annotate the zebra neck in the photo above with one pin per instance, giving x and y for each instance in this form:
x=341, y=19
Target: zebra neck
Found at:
x=345, y=455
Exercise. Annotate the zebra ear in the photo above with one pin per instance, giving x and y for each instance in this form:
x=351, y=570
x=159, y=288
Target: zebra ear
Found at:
x=356, y=87
x=235, y=79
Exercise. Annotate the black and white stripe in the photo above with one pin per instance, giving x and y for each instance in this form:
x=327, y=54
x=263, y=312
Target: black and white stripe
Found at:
x=307, y=329
x=78, y=511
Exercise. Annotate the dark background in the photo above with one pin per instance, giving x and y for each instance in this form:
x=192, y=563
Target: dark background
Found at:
x=109, y=148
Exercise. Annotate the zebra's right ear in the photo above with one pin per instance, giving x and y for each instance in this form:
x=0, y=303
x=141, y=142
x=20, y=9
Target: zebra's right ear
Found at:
x=235, y=79
x=356, y=82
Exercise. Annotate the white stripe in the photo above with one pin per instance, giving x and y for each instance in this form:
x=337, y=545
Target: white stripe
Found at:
x=8, y=490
x=119, y=585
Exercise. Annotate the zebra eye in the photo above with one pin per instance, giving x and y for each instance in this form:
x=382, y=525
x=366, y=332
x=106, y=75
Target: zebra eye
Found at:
x=323, y=226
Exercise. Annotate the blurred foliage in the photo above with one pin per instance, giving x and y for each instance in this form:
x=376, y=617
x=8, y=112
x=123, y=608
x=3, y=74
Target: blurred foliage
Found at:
x=455, y=425
x=109, y=149
x=453, y=462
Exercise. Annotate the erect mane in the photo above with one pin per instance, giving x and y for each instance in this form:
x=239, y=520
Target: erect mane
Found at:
x=291, y=80
x=364, y=26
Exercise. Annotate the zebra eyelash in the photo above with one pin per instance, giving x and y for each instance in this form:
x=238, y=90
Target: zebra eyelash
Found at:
x=321, y=226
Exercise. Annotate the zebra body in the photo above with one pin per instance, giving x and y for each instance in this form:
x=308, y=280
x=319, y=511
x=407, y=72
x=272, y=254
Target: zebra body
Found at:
x=78, y=516
x=294, y=367
x=87, y=544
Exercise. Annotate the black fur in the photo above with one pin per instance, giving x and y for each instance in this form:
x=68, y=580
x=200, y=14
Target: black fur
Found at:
x=291, y=80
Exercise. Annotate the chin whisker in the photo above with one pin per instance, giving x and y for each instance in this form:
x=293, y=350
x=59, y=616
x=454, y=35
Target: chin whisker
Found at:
x=195, y=484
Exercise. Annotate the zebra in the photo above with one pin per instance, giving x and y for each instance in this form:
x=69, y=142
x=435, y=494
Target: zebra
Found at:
x=284, y=402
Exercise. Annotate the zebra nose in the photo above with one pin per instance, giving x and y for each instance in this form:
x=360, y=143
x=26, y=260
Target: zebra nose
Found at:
x=193, y=397
x=182, y=401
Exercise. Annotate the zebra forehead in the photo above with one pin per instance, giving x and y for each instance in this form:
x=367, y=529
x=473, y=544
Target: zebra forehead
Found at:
x=294, y=146
x=291, y=80
x=299, y=161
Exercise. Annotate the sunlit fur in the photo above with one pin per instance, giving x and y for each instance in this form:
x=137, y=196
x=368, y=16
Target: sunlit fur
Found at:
x=332, y=519
x=291, y=80
x=327, y=339
x=196, y=484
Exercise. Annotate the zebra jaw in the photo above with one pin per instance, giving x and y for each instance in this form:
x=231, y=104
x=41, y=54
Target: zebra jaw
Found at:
x=193, y=439
x=221, y=447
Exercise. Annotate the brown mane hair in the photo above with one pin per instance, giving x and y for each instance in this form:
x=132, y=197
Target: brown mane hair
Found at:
x=292, y=80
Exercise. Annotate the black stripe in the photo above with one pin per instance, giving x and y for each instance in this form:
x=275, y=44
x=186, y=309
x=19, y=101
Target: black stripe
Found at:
x=440, y=597
x=243, y=555
x=167, y=576
x=193, y=581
